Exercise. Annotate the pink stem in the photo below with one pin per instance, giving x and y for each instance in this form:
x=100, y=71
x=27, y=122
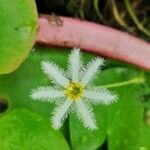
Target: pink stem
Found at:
x=95, y=38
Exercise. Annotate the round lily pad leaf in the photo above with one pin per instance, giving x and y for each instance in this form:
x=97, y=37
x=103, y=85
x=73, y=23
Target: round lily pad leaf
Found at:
x=18, y=25
x=23, y=130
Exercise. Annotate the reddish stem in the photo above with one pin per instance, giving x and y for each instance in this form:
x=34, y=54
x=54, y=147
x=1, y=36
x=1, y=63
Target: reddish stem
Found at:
x=95, y=38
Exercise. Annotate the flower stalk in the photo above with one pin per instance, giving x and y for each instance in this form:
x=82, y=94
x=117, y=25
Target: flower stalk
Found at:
x=136, y=80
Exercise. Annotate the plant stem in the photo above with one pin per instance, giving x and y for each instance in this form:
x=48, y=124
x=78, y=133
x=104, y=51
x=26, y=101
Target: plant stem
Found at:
x=81, y=10
x=135, y=19
x=118, y=16
x=136, y=80
x=96, y=2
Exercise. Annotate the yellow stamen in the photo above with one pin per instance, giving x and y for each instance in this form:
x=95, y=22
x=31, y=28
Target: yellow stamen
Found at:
x=74, y=90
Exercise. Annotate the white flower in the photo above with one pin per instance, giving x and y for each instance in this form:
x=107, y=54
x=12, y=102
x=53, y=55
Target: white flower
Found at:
x=74, y=92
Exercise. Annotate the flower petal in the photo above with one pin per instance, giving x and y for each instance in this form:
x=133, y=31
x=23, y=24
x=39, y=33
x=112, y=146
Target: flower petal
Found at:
x=100, y=96
x=55, y=73
x=91, y=69
x=60, y=114
x=75, y=64
x=46, y=93
x=85, y=114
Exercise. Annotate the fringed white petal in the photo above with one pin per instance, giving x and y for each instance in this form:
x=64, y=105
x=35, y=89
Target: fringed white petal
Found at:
x=91, y=69
x=100, y=96
x=75, y=64
x=60, y=114
x=76, y=74
x=54, y=72
x=46, y=94
x=85, y=114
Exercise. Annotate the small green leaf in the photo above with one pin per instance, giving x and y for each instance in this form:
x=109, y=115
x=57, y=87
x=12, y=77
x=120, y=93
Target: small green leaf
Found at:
x=18, y=25
x=23, y=130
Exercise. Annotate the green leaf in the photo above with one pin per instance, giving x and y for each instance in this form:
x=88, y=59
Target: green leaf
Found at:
x=23, y=130
x=18, y=25
x=124, y=118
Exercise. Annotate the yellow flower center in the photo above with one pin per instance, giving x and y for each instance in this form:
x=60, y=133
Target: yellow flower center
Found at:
x=74, y=90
